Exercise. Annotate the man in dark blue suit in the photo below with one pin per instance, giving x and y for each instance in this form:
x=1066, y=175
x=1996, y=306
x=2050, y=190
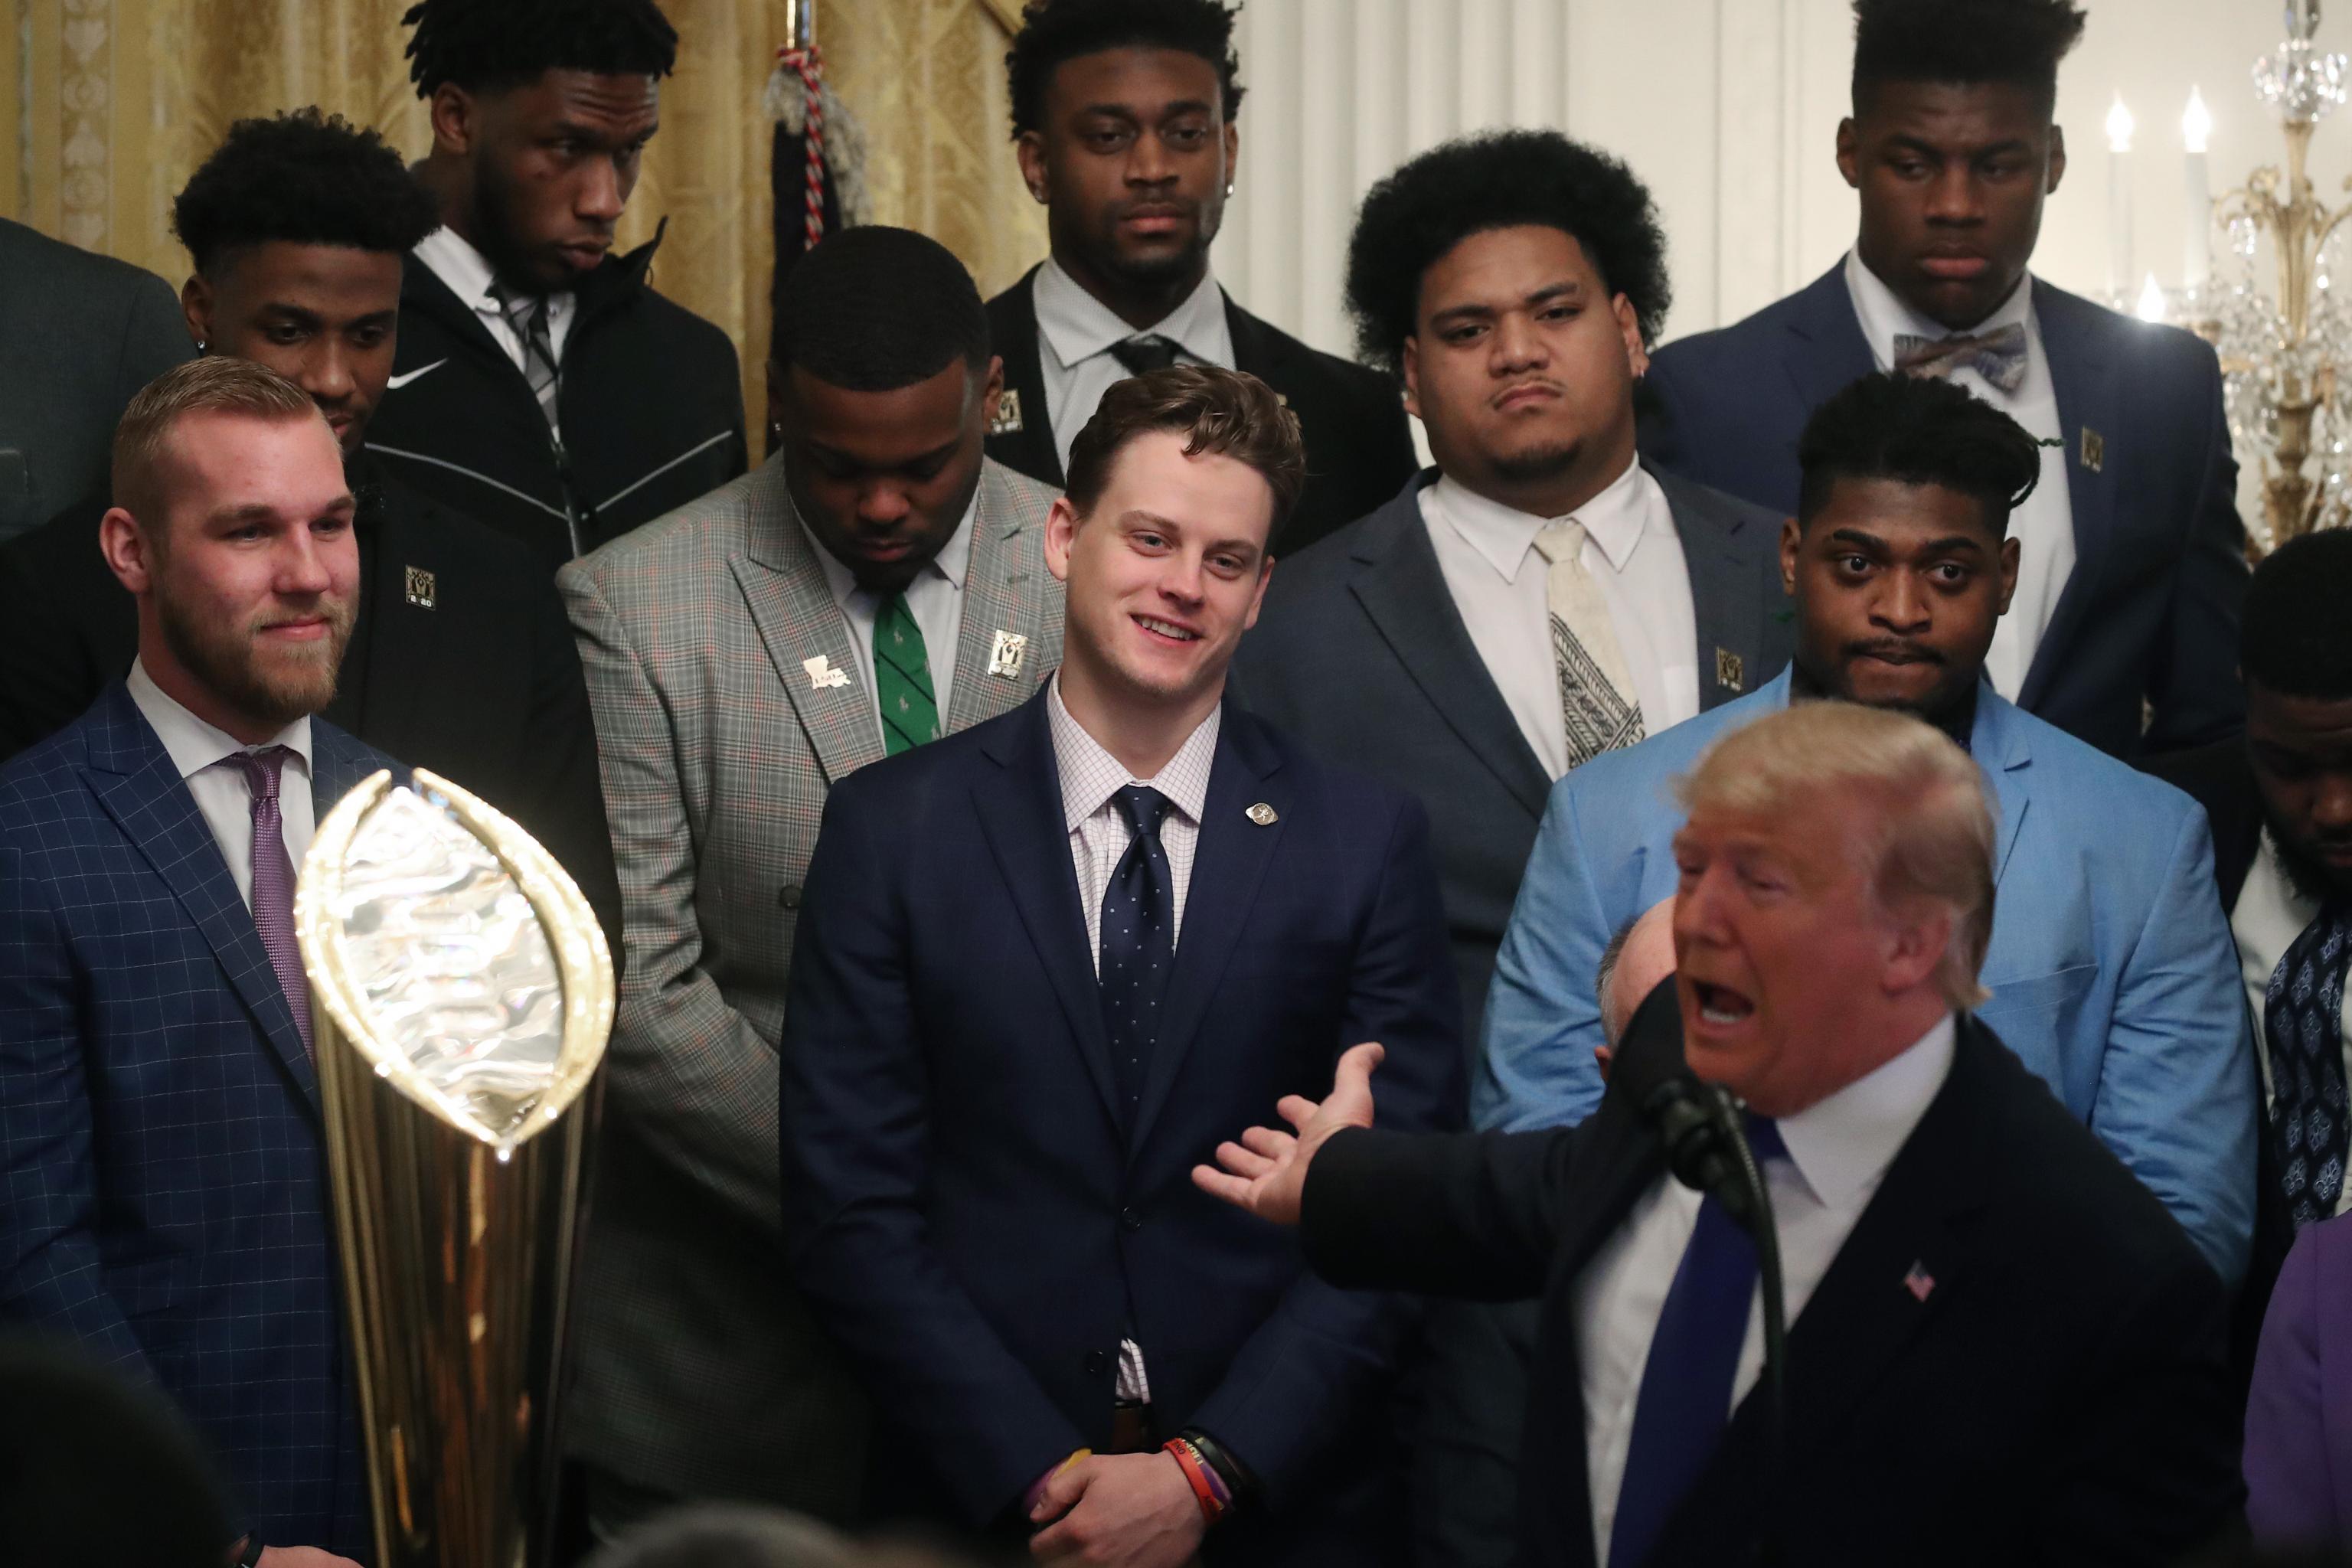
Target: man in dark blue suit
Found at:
x=2132, y=568
x=1045, y=966
x=163, y=1175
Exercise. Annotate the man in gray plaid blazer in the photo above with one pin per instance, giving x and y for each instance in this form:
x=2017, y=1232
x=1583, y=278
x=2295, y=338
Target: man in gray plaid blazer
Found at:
x=874, y=583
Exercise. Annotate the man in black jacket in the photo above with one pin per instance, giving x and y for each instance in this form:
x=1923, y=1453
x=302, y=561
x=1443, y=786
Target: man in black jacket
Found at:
x=1124, y=114
x=2000, y=1348
x=543, y=386
x=462, y=661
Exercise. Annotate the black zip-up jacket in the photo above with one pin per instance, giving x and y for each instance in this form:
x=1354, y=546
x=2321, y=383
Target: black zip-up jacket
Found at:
x=651, y=407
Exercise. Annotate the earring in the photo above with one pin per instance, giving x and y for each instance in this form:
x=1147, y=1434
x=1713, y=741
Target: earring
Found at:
x=201, y=345
x=1229, y=190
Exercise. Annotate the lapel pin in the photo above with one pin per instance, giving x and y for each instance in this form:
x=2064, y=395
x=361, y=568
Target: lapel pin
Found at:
x=1730, y=671
x=1006, y=655
x=419, y=582
x=1919, y=1282
x=822, y=676
x=1263, y=815
x=2094, y=449
x=1008, y=413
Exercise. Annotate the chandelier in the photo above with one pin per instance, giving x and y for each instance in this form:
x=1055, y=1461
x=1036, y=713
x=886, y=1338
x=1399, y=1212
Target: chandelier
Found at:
x=2284, y=334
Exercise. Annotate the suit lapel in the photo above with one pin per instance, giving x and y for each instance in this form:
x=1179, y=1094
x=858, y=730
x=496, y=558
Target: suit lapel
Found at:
x=1227, y=868
x=1723, y=592
x=1826, y=349
x=2084, y=380
x=1020, y=810
x=2001, y=747
x=1030, y=449
x=1403, y=589
x=135, y=781
x=793, y=607
x=1000, y=595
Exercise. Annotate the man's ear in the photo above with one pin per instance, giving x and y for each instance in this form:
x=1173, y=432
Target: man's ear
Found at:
x=1922, y=935
x=1233, y=153
x=776, y=382
x=1849, y=153
x=1410, y=363
x=1029, y=147
x=1629, y=327
x=1793, y=542
x=2009, y=554
x=127, y=550
x=1061, y=535
x=991, y=393
x=456, y=117
x=2057, y=159
x=196, y=307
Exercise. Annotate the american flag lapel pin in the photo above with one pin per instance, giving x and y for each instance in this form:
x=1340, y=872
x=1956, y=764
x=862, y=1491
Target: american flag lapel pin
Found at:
x=1919, y=1282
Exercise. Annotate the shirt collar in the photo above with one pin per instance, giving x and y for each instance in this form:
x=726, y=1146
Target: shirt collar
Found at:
x=1842, y=1146
x=195, y=745
x=1505, y=536
x=1091, y=775
x=951, y=562
x=1883, y=313
x=467, y=271
x=1077, y=326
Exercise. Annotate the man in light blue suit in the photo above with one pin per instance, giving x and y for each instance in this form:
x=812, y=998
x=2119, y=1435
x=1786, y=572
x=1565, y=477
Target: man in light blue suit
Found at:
x=2111, y=965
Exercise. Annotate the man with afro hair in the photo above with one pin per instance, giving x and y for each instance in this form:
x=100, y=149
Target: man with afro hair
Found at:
x=1536, y=599
x=298, y=227
x=1124, y=114
x=542, y=385
x=2132, y=566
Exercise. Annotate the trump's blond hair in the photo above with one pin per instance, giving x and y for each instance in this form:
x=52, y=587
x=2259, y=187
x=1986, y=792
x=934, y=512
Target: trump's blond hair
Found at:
x=1923, y=831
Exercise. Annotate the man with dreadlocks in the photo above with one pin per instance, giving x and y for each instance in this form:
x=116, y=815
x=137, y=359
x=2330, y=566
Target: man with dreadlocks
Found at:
x=2131, y=567
x=1123, y=113
x=542, y=385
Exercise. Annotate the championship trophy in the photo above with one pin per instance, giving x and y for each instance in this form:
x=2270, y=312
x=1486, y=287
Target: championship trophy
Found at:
x=461, y=995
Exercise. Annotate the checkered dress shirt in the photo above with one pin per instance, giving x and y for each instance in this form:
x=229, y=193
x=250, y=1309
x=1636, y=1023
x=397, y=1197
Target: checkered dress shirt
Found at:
x=1100, y=833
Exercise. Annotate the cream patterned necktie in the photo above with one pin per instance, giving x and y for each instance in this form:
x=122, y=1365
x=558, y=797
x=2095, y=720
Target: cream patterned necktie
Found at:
x=1596, y=690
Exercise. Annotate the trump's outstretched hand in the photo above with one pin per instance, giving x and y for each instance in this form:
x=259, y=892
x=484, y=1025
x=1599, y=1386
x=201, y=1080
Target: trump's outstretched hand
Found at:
x=1265, y=1173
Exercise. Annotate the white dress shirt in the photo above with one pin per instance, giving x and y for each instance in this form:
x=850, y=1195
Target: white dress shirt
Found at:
x=1837, y=1152
x=935, y=598
x=1487, y=553
x=1100, y=837
x=2044, y=526
x=203, y=754
x=469, y=274
x=1076, y=331
x=2269, y=916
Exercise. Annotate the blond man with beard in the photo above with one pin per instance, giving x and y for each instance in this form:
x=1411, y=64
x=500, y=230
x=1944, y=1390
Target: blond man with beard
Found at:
x=162, y=1178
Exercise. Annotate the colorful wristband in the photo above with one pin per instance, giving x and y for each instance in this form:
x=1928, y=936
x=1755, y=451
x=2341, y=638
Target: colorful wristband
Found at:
x=1196, y=1474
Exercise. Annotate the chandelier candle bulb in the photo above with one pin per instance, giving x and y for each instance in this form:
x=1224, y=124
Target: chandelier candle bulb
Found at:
x=2196, y=126
x=2119, y=224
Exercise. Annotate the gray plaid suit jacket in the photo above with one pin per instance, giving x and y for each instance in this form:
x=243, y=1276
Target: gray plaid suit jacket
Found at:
x=700, y=1370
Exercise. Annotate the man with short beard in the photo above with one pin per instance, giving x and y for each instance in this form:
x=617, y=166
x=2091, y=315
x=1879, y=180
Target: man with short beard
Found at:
x=1125, y=113
x=543, y=386
x=162, y=1171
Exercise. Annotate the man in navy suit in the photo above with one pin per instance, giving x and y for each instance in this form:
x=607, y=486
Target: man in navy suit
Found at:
x=163, y=1174
x=1041, y=968
x=2131, y=569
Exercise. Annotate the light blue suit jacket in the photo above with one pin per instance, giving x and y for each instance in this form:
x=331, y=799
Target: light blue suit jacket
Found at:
x=2112, y=968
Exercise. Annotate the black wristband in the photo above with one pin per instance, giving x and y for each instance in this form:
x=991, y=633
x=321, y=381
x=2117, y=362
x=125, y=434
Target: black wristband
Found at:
x=1230, y=1471
x=248, y=1552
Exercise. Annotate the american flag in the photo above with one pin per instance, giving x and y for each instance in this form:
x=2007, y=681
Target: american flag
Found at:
x=1918, y=1282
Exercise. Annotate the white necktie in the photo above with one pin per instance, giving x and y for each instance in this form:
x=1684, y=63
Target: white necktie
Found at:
x=1596, y=690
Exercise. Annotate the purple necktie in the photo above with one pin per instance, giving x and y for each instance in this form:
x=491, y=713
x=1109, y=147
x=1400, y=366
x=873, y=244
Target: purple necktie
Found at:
x=273, y=883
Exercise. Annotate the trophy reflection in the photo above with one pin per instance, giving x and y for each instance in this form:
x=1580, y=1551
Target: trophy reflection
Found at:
x=462, y=993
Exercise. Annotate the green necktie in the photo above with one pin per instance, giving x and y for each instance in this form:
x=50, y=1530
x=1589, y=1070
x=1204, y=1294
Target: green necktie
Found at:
x=902, y=679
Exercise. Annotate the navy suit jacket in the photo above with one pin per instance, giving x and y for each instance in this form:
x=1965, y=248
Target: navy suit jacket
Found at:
x=2151, y=610
x=162, y=1165
x=963, y=1203
x=1361, y=654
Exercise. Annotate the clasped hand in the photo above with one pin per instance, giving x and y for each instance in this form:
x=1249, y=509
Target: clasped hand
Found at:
x=1130, y=1511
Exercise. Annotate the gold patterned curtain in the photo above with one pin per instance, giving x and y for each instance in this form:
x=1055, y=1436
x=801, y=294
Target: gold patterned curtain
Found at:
x=107, y=106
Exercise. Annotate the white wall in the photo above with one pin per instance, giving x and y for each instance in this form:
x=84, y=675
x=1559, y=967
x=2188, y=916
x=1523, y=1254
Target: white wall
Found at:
x=1727, y=109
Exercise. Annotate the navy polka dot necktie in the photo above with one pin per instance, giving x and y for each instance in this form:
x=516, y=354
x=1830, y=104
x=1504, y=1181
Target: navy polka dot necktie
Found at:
x=1139, y=943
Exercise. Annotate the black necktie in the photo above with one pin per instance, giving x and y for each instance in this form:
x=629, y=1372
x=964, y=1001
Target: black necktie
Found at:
x=2303, y=1023
x=1144, y=354
x=1139, y=943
